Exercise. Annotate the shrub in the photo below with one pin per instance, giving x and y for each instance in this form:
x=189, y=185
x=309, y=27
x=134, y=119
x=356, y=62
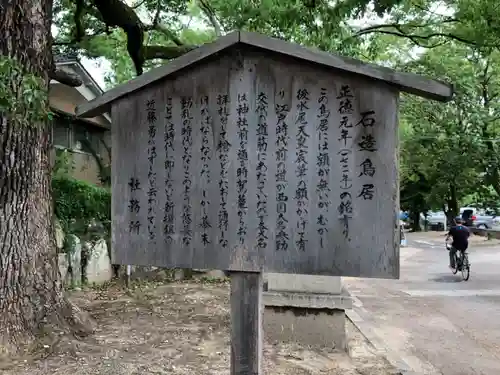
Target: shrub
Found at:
x=82, y=208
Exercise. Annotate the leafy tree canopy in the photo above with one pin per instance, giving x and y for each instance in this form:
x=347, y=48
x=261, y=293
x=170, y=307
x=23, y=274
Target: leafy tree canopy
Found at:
x=448, y=151
x=144, y=32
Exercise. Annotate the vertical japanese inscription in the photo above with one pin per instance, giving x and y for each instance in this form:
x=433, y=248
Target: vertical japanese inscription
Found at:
x=282, y=139
x=223, y=151
x=367, y=145
x=262, y=137
x=242, y=171
x=345, y=109
x=301, y=168
x=323, y=166
x=134, y=206
x=206, y=125
x=168, y=218
x=152, y=190
x=187, y=144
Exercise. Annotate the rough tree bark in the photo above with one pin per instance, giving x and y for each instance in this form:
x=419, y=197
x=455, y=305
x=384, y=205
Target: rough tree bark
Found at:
x=415, y=221
x=31, y=294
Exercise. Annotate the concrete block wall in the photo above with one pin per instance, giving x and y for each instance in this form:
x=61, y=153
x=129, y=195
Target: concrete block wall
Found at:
x=303, y=283
x=306, y=309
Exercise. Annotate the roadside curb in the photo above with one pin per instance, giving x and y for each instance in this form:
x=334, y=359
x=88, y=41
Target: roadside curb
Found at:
x=367, y=331
x=484, y=244
x=359, y=317
x=440, y=238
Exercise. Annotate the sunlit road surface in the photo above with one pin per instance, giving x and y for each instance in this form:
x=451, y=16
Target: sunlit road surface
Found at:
x=433, y=320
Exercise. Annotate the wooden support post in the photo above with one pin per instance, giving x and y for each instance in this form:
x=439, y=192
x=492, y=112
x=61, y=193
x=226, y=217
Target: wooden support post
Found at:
x=245, y=270
x=246, y=323
x=127, y=276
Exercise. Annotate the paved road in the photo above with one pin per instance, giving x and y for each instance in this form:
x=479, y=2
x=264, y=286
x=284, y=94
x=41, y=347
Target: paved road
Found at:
x=431, y=319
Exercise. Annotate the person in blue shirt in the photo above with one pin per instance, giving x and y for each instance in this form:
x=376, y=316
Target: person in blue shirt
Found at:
x=460, y=234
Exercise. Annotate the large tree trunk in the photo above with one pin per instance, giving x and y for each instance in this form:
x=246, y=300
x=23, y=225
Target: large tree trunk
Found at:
x=415, y=221
x=31, y=294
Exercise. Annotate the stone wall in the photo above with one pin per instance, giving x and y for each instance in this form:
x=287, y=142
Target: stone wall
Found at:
x=98, y=268
x=98, y=263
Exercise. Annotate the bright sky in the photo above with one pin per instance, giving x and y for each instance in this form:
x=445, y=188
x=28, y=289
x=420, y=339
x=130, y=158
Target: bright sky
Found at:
x=96, y=69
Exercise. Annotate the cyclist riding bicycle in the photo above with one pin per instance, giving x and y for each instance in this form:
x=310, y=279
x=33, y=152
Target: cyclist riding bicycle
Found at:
x=460, y=235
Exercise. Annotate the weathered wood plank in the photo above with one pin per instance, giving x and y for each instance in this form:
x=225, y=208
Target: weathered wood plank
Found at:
x=302, y=162
x=407, y=82
x=246, y=323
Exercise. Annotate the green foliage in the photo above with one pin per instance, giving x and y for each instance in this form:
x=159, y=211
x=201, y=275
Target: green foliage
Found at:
x=449, y=152
x=314, y=23
x=429, y=23
x=83, y=209
x=64, y=164
x=170, y=23
x=22, y=95
x=449, y=156
x=113, y=48
x=77, y=200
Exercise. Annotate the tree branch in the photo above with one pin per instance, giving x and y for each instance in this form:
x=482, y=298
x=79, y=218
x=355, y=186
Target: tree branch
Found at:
x=165, y=31
x=76, y=41
x=447, y=18
x=165, y=52
x=156, y=25
x=210, y=13
x=415, y=38
x=156, y=18
x=65, y=78
x=138, y=5
x=117, y=13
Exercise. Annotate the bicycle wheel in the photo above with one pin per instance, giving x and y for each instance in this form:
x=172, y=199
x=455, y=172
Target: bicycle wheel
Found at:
x=457, y=260
x=465, y=267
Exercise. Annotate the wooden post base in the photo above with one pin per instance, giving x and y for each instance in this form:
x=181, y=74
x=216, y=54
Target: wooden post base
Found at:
x=246, y=323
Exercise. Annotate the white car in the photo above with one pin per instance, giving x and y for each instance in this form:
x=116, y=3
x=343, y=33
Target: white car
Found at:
x=437, y=217
x=495, y=225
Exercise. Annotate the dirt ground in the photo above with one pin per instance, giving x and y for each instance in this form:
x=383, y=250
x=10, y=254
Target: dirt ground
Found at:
x=179, y=329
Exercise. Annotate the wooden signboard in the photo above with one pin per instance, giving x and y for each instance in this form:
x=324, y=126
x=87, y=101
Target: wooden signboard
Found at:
x=293, y=163
x=251, y=155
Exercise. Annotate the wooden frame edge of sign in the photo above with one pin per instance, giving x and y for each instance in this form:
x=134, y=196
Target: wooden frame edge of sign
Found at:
x=406, y=82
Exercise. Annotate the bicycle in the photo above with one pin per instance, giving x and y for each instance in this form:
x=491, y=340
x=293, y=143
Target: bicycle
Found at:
x=461, y=263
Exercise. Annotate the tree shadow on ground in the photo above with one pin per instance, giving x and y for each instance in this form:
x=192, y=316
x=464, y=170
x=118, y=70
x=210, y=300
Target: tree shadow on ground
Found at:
x=447, y=278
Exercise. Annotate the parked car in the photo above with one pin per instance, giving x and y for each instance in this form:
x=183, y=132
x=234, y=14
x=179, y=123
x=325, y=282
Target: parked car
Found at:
x=436, y=217
x=495, y=224
x=435, y=220
x=478, y=218
x=468, y=215
x=484, y=221
x=473, y=217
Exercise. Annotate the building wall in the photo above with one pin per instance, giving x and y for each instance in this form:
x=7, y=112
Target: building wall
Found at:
x=85, y=167
x=64, y=99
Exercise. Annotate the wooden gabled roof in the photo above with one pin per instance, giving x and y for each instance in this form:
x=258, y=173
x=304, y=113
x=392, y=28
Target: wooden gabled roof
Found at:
x=406, y=82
